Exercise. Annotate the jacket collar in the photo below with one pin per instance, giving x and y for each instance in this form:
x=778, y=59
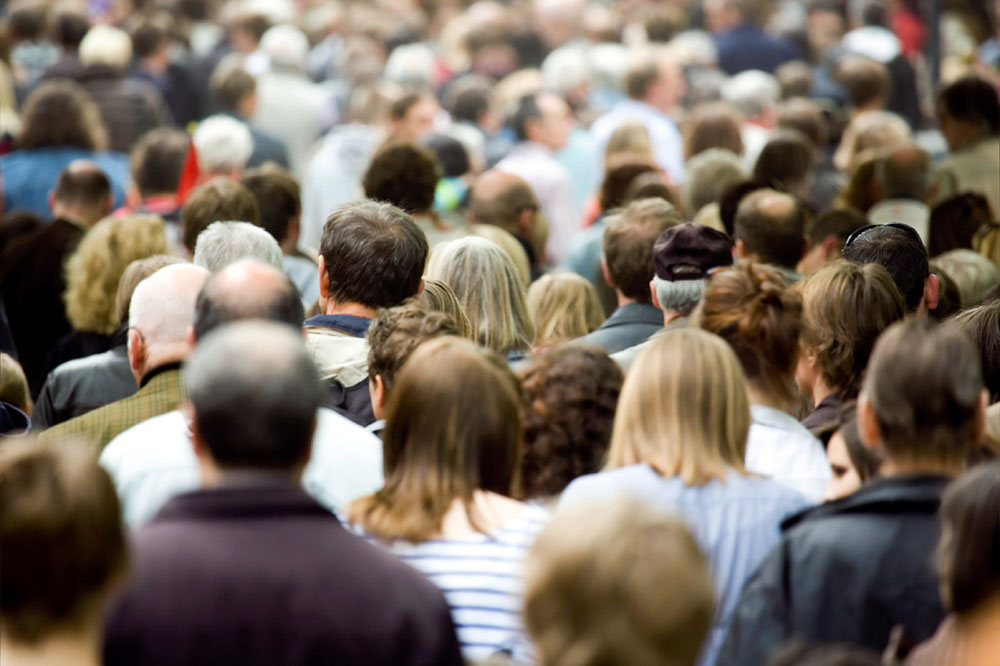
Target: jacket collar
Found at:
x=350, y=324
x=252, y=495
x=160, y=370
x=635, y=313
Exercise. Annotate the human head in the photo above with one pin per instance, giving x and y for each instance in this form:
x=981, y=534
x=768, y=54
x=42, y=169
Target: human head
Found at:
x=973, y=274
x=435, y=453
x=826, y=235
x=837, y=339
x=97, y=264
x=223, y=145
x=543, y=118
x=684, y=409
x=503, y=200
x=490, y=290
x=151, y=39
x=82, y=194
x=569, y=394
x=234, y=89
x=371, y=254
x=865, y=81
x=106, y=45
x=628, y=141
x=770, y=227
x=392, y=337
x=968, y=554
x=63, y=544
x=68, y=25
x=286, y=47
x=14, y=385
x=755, y=94
x=618, y=179
x=157, y=160
x=222, y=243
x=683, y=258
x=654, y=77
x=625, y=550
x=438, y=297
x=982, y=326
x=899, y=250
x=968, y=109
x=412, y=116
x=708, y=175
x=279, y=202
x=904, y=173
x=628, y=245
x=136, y=272
x=217, y=200
x=751, y=307
x=805, y=116
x=957, y=222
x=786, y=162
x=852, y=464
x=254, y=392
x=713, y=125
x=795, y=78
x=404, y=175
x=564, y=306
x=922, y=403
x=731, y=198
x=61, y=114
x=866, y=134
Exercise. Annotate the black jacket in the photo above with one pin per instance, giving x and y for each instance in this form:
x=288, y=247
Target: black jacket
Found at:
x=846, y=572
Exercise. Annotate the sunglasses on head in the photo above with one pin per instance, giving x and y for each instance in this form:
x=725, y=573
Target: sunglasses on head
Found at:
x=910, y=231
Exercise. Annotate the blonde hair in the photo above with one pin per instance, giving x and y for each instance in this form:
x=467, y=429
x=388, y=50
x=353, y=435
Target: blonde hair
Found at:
x=438, y=296
x=564, y=306
x=96, y=266
x=630, y=139
x=106, y=45
x=14, y=385
x=490, y=290
x=509, y=244
x=684, y=409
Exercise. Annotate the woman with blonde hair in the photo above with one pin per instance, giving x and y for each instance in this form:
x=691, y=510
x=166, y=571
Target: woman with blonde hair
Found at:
x=564, y=306
x=439, y=297
x=452, y=448
x=679, y=442
x=491, y=292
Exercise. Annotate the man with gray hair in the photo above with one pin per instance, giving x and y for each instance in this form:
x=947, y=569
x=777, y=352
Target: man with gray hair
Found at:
x=222, y=243
x=223, y=145
x=903, y=179
x=160, y=315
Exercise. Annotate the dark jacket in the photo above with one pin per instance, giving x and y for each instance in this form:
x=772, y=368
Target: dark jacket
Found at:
x=846, y=572
x=260, y=574
x=748, y=47
x=83, y=384
x=129, y=107
x=626, y=327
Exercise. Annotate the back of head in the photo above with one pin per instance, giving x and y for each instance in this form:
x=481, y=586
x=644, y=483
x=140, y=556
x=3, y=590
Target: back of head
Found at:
x=396, y=332
x=82, y=185
x=526, y=111
x=905, y=173
x=924, y=384
x=286, y=46
x=217, y=200
x=157, y=160
x=626, y=550
x=136, y=272
x=753, y=92
x=684, y=409
x=278, y=198
x=498, y=198
x=61, y=114
x=896, y=249
x=162, y=305
x=374, y=254
x=865, y=81
x=106, y=45
x=805, y=116
x=404, y=175
x=148, y=36
x=255, y=392
x=840, y=223
x=231, y=85
x=68, y=26
x=247, y=289
x=564, y=306
x=628, y=244
x=845, y=307
x=618, y=178
x=771, y=226
x=709, y=174
x=63, y=541
x=509, y=244
x=439, y=297
x=972, y=100
x=222, y=243
x=982, y=326
x=713, y=125
x=643, y=71
x=731, y=198
x=786, y=161
x=223, y=145
x=973, y=274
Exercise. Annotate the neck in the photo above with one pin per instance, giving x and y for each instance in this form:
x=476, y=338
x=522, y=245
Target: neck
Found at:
x=353, y=309
x=61, y=649
x=759, y=396
x=820, y=391
x=173, y=353
x=623, y=299
x=893, y=467
x=670, y=315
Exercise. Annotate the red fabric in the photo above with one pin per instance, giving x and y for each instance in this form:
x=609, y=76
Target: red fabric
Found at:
x=189, y=174
x=910, y=30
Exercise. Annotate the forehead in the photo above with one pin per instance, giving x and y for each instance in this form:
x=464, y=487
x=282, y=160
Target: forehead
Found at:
x=552, y=104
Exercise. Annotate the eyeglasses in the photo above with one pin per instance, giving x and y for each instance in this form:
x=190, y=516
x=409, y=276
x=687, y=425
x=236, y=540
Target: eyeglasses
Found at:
x=910, y=231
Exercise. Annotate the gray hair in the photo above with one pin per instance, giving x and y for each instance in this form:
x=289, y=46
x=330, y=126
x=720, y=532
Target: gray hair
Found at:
x=709, y=174
x=972, y=273
x=286, y=46
x=106, y=45
x=222, y=144
x=752, y=92
x=222, y=243
x=565, y=69
x=904, y=173
x=678, y=295
x=162, y=305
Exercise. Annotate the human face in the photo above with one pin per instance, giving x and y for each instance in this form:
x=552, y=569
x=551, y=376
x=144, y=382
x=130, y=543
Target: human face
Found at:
x=419, y=119
x=555, y=123
x=845, y=478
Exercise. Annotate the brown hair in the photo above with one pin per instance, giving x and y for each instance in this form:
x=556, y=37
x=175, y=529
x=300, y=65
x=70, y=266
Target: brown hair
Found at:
x=61, y=113
x=403, y=174
x=713, y=125
x=157, y=160
x=628, y=244
x=396, y=332
x=278, y=198
x=434, y=452
x=982, y=326
x=865, y=80
x=618, y=177
x=628, y=139
x=570, y=394
x=564, y=306
x=219, y=200
x=438, y=296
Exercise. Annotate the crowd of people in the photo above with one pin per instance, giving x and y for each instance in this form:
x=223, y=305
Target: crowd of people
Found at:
x=556, y=332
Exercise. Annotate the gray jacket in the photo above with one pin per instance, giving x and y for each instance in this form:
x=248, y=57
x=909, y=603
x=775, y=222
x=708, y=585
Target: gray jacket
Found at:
x=83, y=384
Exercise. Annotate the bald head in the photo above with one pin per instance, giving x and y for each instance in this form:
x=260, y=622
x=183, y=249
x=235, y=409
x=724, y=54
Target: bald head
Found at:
x=770, y=227
x=82, y=193
x=247, y=289
x=162, y=305
x=905, y=173
x=499, y=199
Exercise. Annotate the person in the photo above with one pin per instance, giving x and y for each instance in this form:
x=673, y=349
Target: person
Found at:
x=235, y=93
x=864, y=80
x=899, y=249
x=712, y=125
x=439, y=297
x=225, y=560
x=755, y=94
x=709, y=175
x=852, y=464
x=222, y=243
x=564, y=306
x=974, y=275
x=826, y=236
x=770, y=228
x=626, y=551
x=372, y=256
x=160, y=312
x=152, y=47
x=836, y=343
x=542, y=123
x=741, y=42
x=491, y=293
x=679, y=442
x=32, y=281
x=751, y=307
x=222, y=147
x=156, y=162
x=968, y=561
x=504, y=200
x=76, y=387
x=218, y=200
x=868, y=555
x=787, y=163
x=569, y=396
x=903, y=178
x=446, y=507
x=64, y=554
x=14, y=385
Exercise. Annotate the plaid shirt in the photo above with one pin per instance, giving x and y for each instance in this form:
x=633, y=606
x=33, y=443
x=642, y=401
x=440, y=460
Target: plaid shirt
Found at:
x=160, y=393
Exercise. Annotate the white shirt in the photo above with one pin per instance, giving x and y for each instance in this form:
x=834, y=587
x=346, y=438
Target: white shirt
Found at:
x=668, y=148
x=550, y=182
x=905, y=211
x=154, y=461
x=782, y=448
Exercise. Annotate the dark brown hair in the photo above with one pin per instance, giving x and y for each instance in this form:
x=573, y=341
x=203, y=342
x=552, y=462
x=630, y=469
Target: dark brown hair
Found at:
x=396, y=332
x=219, y=200
x=277, y=194
x=404, y=175
x=61, y=114
x=628, y=244
x=712, y=125
x=157, y=160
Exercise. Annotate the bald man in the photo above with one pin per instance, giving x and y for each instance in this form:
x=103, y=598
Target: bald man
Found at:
x=903, y=179
x=504, y=200
x=770, y=228
x=160, y=313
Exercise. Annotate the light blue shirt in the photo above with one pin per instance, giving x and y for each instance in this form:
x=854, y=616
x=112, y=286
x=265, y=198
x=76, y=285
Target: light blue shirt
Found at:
x=736, y=523
x=668, y=148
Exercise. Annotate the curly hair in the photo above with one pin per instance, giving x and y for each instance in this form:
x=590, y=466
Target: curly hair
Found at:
x=96, y=266
x=404, y=175
x=570, y=394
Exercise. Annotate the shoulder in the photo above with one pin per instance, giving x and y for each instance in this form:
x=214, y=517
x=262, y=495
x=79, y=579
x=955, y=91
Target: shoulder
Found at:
x=140, y=442
x=610, y=482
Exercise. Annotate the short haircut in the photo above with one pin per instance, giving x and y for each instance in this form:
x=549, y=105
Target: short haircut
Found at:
x=905, y=173
x=230, y=84
x=82, y=186
x=641, y=74
x=374, y=254
x=223, y=144
x=840, y=223
x=678, y=295
x=68, y=26
x=753, y=92
x=626, y=551
x=865, y=80
x=147, y=37
x=275, y=299
x=397, y=332
x=628, y=244
x=217, y=200
x=982, y=326
x=618, y=179
x=63, y=540
x=157, y=160
x=505, y=207
x=278, y=198
x=845, y=307
x=136, y=272
x=223, y=243
x=786, y=161
x=969, y=556
x=772, y=227
x=796, y=79
x=898, y=251
x=402, y=105
x=973, y=100
x=924, y=385
x=709, y=174
x=468, y=98
x=527, y=109
x=404, y=175
x=162, y=305
x=255, y=391
x=731, y=198
x=564, y=306
x=106, y=45
x=713, y=125
x=805, y=116
x=570, y=394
